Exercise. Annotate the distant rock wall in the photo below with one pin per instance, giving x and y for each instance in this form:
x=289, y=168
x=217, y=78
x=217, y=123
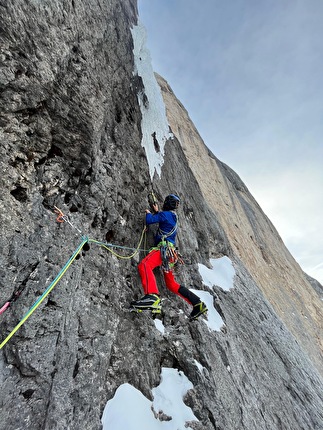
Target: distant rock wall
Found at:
x=251, y=235
x=71, y=137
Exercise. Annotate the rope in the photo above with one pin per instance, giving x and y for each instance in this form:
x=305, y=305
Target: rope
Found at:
x=46, y=292
x=63, y=218
x=4, y=307
x=107, y=246
x=13, y=298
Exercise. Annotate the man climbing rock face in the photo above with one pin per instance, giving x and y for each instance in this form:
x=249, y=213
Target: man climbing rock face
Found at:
x=164, y=255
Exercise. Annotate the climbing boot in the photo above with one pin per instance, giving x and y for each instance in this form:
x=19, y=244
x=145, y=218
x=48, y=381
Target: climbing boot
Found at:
x=189, y=295
x=198, y=309
x=149, y=301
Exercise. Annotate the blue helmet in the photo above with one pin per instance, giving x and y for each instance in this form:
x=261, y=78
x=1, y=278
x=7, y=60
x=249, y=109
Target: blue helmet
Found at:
x=171, y=202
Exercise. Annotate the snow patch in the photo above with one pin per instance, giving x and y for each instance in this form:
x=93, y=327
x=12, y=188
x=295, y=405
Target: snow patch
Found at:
x=159, y=326
x=221, y=274
x=199, y=366
x=214, y=320
x=154, y=124
x=168, y=398
x=168, y=403
x=137, y=415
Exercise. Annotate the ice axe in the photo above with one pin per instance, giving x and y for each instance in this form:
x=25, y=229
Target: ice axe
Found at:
x=152, y=201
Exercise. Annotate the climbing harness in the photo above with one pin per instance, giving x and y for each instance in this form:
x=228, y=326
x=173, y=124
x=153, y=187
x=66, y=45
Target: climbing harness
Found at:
x=169, y=255
x=167, y=249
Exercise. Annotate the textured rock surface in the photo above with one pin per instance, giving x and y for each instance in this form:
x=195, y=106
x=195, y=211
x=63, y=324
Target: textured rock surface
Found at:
x=70, y=137
x=251, y=235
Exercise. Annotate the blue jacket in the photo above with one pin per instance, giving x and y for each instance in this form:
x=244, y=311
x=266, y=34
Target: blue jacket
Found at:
x=167, y=220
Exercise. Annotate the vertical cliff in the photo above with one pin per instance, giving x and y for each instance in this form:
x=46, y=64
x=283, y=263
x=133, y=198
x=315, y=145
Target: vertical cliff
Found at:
x=251, y=235
x=73, y=118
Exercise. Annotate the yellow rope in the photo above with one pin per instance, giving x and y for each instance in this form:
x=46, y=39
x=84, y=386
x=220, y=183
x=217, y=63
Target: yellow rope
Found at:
x=124, y=257
x=61, y=274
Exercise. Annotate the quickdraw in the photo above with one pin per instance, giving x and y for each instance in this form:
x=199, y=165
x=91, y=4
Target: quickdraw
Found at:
x=169, y=253
x=61, y=217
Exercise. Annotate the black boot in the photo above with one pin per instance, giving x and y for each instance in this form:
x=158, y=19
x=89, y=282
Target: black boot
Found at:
x=187, y=294
x=199, y=307
x=149, y=301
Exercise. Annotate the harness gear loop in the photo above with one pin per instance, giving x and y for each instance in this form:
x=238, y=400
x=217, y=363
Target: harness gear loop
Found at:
x=169, y=255
x=164, y=255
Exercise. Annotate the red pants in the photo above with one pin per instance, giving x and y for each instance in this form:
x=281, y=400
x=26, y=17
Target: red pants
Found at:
x=148, y=280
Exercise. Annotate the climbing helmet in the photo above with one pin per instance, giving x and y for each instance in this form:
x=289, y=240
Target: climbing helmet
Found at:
x=171, y=202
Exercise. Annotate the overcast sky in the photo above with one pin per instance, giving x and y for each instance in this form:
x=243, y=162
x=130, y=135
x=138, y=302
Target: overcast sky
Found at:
x=250, y=74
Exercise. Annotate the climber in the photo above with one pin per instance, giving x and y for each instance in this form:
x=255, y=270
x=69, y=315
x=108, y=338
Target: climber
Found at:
x=164, y=255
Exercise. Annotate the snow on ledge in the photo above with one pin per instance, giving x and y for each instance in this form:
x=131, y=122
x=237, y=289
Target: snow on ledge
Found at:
x=168, y=399
x=138, y=415
x=154, y=124
x=214, y=320
x=222, y=273
x=159, y=326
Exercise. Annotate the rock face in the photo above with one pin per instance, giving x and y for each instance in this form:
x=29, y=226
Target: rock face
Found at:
x=71, y=137
x=251, y=235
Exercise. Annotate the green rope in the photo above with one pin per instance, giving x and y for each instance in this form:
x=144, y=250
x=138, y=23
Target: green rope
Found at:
x=46, y=292
x=64, y=270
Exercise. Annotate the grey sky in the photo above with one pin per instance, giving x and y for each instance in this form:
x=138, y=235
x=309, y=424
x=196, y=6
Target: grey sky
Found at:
x=250, y=74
